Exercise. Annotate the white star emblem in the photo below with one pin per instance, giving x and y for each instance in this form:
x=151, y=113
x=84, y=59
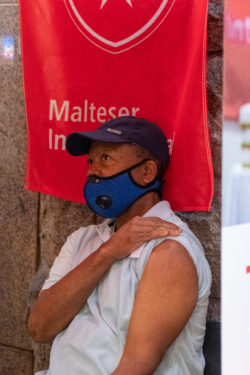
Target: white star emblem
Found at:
x=105, y=1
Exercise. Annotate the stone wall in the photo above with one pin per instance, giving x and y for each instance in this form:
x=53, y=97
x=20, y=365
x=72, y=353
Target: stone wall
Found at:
x=34, y=226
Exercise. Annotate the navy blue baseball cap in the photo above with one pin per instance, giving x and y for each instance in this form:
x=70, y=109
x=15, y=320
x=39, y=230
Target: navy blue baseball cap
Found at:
x=124, y=129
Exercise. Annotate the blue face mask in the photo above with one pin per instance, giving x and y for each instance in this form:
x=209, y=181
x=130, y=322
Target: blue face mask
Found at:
x=111, y=196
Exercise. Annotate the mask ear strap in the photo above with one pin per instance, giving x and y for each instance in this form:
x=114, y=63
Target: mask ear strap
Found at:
x=94, y=178
x=147, y=185
x=135, y=165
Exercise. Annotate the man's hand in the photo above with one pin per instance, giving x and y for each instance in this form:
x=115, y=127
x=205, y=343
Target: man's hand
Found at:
x=135, y=232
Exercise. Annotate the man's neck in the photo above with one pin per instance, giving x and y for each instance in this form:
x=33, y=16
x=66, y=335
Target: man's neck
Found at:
x=138, y=208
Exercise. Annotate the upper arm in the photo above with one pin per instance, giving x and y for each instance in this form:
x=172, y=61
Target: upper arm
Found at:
x=165, y=299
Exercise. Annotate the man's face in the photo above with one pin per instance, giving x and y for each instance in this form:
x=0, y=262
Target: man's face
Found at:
x=107, y=158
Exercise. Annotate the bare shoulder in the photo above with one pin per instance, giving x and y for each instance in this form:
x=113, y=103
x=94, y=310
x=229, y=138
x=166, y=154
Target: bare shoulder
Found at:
x=171, y=272
x=171, y=254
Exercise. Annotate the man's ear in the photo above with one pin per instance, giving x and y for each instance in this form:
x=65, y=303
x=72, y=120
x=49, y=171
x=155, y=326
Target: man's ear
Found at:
x=149, y=171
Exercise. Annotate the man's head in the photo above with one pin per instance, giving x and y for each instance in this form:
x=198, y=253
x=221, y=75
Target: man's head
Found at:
x=148, y=138
x=106, y=159
x=127, y=158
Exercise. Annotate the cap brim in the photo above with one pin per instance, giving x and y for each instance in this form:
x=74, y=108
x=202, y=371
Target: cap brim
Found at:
x=78, y=143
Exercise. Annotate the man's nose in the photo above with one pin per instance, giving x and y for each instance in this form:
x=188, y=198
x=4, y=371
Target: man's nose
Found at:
x=94, y=169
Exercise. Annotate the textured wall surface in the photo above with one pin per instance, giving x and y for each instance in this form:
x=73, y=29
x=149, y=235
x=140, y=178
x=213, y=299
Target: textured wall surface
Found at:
x=18, y=208
x=207, y=225
x=34, y=226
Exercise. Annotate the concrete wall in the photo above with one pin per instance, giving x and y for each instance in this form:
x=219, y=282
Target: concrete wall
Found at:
x=34, y=226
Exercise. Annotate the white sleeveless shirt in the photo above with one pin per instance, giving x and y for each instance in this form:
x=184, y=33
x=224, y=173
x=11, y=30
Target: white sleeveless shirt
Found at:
x=93, y=342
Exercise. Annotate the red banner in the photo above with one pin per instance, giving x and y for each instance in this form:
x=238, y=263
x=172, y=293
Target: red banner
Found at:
x=87, y=61
x=236, y=57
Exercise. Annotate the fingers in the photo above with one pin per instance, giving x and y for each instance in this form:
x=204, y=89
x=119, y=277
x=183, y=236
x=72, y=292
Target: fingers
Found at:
x=137, y=231
x=149, y=233
x=156, y=225
x=141, y=229
x=158, y=221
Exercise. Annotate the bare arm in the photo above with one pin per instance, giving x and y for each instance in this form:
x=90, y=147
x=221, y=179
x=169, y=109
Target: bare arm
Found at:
x=165, y=299
x=58, y=305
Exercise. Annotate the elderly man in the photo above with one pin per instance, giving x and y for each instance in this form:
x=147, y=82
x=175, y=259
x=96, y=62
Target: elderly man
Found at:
x=128, y=296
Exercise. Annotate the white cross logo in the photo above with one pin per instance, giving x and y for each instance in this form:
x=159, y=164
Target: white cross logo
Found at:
x=105, y=1
x=118, y=41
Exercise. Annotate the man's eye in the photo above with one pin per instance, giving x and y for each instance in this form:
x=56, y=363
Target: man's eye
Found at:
x=105, y=157
x=89, y=161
